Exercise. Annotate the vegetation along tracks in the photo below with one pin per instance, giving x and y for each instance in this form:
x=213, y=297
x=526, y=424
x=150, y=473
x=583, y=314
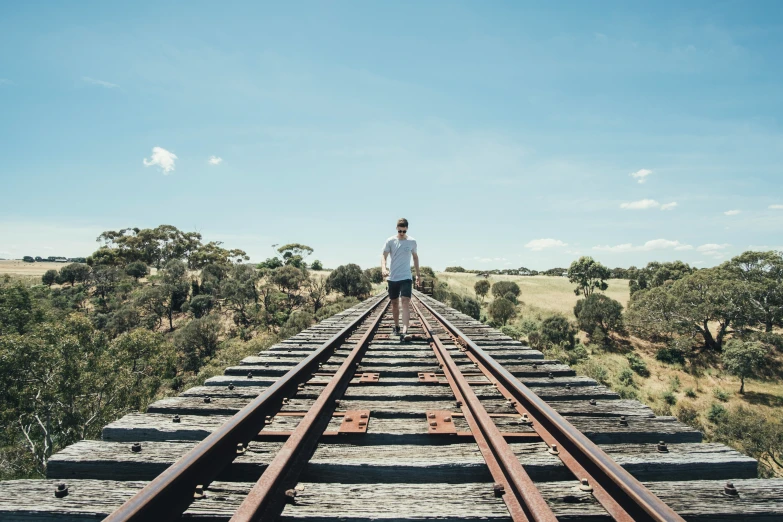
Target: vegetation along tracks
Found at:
x=345, y=421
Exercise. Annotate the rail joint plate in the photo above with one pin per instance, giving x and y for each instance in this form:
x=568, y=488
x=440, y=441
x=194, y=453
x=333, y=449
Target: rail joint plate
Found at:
x=439, y=421
x=355, y=421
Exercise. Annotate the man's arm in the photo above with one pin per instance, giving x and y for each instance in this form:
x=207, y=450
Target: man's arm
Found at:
x=416, y=266
x=384, y=272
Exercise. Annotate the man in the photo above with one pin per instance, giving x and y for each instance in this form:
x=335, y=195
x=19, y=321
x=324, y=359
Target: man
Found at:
x=400, y=247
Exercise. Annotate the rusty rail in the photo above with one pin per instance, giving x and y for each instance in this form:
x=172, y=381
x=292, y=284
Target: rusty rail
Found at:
x=267, y=495
x=523, y=500
x=624, y=497
x=171, y=492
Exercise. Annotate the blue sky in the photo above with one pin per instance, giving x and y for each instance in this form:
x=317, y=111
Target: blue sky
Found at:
x=508, y=133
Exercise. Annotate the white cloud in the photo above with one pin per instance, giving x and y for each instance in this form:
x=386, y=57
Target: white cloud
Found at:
x=641, y=175
x=215, y=160
x=776, y=207
x=653, y=244
x=5, y=81
x=713, y=250
x=669, y=206
x=93, y=81
x=640, y=205
x=732, y=212
x=162, y=158
x=537, y=245
x=489, y=259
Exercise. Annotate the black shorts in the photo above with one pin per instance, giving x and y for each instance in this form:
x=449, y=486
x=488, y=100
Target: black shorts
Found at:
x=402, y=288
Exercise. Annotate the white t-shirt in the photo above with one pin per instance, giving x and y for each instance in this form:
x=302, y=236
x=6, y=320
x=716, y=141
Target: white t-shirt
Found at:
x=400, y=251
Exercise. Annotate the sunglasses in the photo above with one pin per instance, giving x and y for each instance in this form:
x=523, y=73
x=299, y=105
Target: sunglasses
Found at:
x=402, y=231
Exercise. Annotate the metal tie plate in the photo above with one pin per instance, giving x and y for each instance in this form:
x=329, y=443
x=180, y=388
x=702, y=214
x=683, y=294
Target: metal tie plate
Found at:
x=370, y=377
x=428, y=377
x=439, y=421
x=355, y=421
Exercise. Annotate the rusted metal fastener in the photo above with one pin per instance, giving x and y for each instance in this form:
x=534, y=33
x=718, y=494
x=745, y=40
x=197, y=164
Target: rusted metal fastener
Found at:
x=585, y=485
x=199, y=492
x=525, y=419
x=729, y=490
x=662, y=448
x=175, y=419
x=431, y=416
x=553, y=450
x=290, y=496
x=623, y=421
x=446, y=419
x=568, y=386
x=231, y=386
x=266, y=365
x=459, y=404
x=249, y=375
x=136, y=447
x=286, y=400
x=268, y=419
x=348, y=419
x=551, y=375
x=61, y=490
x=363, y=416
x=207, y=399
x=289, y=350
x=337, y=402
x=593, y=402
x=499, y=489
x=241, y=449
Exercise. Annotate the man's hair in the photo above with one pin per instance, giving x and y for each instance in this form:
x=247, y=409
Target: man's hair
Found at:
x=402, y=222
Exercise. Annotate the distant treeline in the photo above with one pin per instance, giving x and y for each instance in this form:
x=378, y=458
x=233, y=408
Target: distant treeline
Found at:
x=54, y=259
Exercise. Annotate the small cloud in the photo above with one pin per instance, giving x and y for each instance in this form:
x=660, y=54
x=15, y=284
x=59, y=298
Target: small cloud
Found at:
x=640, y=205
x=5, y=81
x=93, y=81
x=215, y=160
x=732, y=212
x=162, y=158
x=489, y=259
x=776, y=207
x=601, y=37
x=537, y=245
x=653, y=244
x=713, y=249
x=669, y=206
x=641, y=175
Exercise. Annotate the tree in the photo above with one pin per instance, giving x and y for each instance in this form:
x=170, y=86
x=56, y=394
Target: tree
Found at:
x=137, y=270
x=271, y=263
x=241, y=294
x=471, y=307
x=197, y=341
x=599, y=311
x=588, y=275
x=556, y=330
x=316, y=265
x=155, y=246
x=105, y=279
x=49, y=277
x=657, y=274
x=502, y=288
x=706, y=297
x=374, y=274
x=482, y=288
x=289, y=279
x=75, y=273
x=295, y=254
x=349, y=280
x=28, y=259
x=152, y=301
x=762, y=273
x=213, y=253
x=651, y=316
x=316, y=289
x=454, y=269
x=176, y=287
x=502, y=310
x=743, y=359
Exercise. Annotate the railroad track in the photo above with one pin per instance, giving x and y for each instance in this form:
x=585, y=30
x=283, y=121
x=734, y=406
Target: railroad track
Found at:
x=344, y=422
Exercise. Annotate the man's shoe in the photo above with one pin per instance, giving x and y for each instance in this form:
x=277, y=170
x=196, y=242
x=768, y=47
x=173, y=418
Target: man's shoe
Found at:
x=395, y=330
x=404, y=335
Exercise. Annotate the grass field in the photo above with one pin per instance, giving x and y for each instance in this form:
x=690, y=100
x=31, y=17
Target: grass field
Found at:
x=21, y=268
x=554, y=294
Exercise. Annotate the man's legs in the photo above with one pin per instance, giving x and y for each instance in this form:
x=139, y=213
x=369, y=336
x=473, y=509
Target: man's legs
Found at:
x=396, y=313
x=406, y=313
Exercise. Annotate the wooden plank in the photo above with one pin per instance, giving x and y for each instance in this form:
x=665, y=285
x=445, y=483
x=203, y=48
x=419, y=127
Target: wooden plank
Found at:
x=151, y=427
x=407, y=463
x=697, y=501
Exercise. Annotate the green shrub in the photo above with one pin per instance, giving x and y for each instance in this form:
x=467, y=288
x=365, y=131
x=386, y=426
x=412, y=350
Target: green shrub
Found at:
x=638, y=365
x=690, y=393
x=670, y=355
x=674, y=383
x=595, y=371
x=528, y=325
x=296, y=322
x=579, y=353
x=670, y=398
x=716, y=413
x=721, y=395
x=599, y=311
x=627, y=392
x=501, y=288
x=626, y=377
x=556, y=330
x=511, y=297
x=688, y=414
x=512, y=332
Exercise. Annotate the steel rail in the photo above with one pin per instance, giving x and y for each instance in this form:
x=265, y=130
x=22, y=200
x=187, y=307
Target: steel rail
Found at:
x=267, y=495
x=171, y=492
x=523, y=499
x=624, y=497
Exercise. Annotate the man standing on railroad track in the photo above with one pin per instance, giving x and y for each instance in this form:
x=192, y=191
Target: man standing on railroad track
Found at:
x=400, y=247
